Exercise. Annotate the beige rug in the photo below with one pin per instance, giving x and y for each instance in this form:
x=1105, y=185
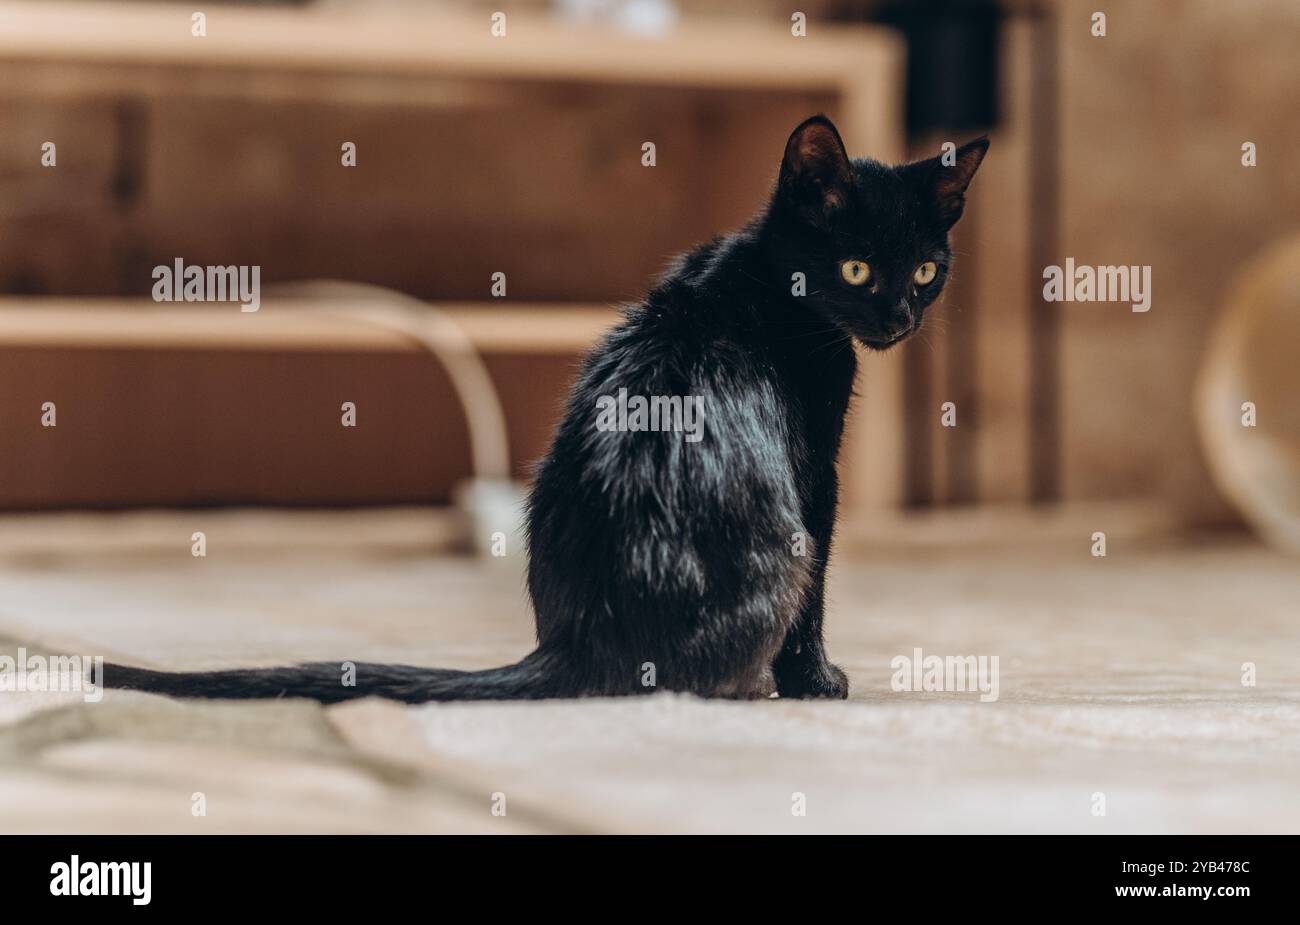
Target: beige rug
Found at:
x=1119, y=682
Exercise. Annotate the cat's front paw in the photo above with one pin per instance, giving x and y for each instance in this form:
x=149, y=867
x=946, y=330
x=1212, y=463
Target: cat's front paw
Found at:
x=824, y=680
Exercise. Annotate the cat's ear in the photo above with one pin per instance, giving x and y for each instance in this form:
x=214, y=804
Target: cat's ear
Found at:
x=946, y=183
x=815, y=173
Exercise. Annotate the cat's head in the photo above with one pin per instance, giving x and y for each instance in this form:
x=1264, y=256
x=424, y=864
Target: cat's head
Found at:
x=870, y=239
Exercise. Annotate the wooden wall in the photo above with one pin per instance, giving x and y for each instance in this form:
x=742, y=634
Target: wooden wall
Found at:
x=544, y=183
x=546, y=186
x=1153, y=119
x=143, y=428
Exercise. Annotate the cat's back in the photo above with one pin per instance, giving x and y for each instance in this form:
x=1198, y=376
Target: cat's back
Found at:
x=671, y=472
x=679, y=343
x=677, y=401
x=689, y=324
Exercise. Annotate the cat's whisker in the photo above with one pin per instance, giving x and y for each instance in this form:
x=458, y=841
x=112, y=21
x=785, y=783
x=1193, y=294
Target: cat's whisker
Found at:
x=829, y=330
x=846, y=339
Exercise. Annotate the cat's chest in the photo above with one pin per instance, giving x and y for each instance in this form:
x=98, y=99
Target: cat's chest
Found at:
x=817, y=397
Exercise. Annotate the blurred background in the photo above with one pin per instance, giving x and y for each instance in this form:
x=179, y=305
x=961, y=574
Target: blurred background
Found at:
x=180, y=487
x=522, y=155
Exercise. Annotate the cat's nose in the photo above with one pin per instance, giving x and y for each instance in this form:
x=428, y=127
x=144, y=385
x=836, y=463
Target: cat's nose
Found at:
x=900, y=319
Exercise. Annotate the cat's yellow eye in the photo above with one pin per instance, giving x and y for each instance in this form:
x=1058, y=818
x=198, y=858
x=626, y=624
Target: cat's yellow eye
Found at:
x=925, y=273
x=855, y=272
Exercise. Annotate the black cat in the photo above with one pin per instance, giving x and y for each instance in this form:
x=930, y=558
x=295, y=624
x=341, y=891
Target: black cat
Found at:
x=691, y=555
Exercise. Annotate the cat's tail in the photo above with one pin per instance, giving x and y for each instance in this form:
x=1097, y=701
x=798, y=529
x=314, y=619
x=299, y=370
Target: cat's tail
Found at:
x=535, y=677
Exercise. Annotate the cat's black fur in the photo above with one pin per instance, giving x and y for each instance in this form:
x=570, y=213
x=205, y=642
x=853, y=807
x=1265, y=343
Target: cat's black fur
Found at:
x=647, y=548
